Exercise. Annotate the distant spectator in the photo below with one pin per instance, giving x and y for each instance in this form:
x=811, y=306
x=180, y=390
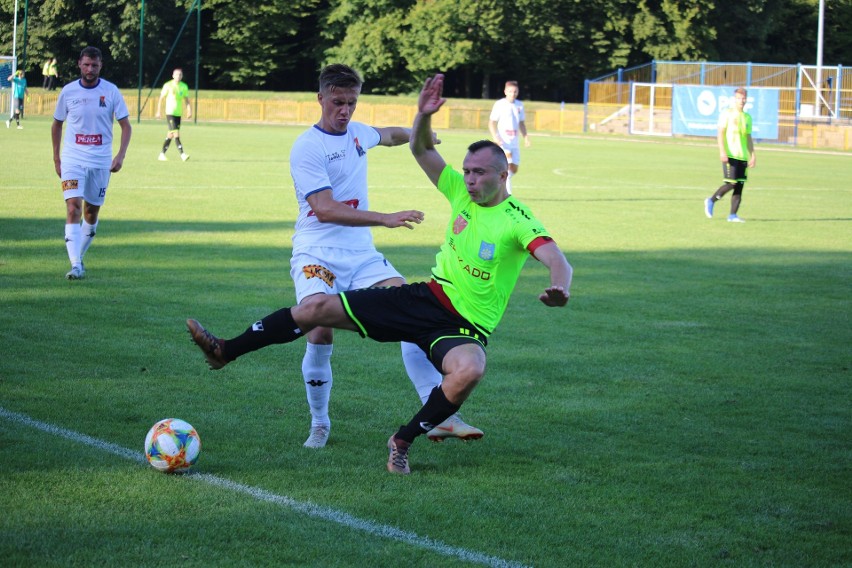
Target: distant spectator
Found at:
x=52, y=75
x=45, y=73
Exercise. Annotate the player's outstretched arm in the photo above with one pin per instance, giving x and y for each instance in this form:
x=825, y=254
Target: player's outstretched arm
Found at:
x=561, y=273
x=394, y=135
x=327, y=210
x=422, y=138
x=397, y=135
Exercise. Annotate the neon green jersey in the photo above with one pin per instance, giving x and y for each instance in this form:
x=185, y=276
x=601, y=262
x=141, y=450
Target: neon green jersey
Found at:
x=483, y=252
x=175, y=92
x=737, y=127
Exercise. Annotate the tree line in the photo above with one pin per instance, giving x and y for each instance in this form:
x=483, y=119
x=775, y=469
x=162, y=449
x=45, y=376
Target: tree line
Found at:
x=549, y=46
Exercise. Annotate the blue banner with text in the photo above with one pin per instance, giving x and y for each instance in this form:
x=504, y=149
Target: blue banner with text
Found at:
x=695, y=110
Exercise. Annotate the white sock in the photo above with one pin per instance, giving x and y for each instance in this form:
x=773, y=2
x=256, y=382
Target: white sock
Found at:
x=423, y=374
x=316, y=370
x=88, y=233
x=73, y=242
x=509, y=183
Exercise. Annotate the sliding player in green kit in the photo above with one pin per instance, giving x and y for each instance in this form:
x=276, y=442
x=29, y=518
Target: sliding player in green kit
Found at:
x=489, y=237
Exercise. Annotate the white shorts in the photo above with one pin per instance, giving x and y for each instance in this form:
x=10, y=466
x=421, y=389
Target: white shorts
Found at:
x=88, y=183
x=513, y=154
x=324, y=270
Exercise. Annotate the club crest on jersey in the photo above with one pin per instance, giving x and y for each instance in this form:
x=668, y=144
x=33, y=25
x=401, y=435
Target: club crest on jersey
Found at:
x=102, y=102
x=321, y=272
x=361, y=151
x=486, y=251
x=459, y=225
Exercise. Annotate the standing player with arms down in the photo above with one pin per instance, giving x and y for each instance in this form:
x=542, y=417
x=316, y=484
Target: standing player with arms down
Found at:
x=507, y=120
x=89, y=106
x=449, y=317
x=736, y=151
x=176, y=95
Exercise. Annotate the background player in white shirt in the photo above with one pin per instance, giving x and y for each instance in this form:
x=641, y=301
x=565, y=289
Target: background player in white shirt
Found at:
x=506, y=122
x=333, y=248
x=89, y=107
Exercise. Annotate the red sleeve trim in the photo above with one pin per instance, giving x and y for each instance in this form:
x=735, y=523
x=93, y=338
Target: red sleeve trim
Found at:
x=537, y=242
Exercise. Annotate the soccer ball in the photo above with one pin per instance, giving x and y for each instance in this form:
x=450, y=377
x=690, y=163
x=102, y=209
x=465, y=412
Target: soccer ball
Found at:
x=172, y=446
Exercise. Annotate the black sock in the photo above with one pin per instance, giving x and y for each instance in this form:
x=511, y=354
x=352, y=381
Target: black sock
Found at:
x=723, y=189
x=278, y=327
x=436, y=410
x=179, y=145
x=166, y=144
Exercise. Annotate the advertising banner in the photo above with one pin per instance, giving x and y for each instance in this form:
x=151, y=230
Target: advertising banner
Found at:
x=695, y=110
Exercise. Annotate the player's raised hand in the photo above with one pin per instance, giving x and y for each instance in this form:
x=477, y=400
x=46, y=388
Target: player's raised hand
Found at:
x=555, y=297
x=430, y=96
x=403, y=219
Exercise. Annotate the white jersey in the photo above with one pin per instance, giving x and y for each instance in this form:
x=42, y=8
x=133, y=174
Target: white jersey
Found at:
x=508, y=116
x=89, y=112
x=320, y=161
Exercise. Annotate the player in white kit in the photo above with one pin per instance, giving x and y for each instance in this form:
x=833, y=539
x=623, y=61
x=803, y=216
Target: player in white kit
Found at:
x=333, y=248
x=506, y=122
x=88, y=106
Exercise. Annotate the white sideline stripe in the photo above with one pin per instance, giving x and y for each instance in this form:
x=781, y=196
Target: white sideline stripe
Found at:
x=306, y=507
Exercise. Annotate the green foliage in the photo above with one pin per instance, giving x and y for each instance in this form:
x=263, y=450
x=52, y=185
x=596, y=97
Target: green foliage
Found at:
x=551, y=47
x=366, y=34
x=674, y=32
x=251, y=42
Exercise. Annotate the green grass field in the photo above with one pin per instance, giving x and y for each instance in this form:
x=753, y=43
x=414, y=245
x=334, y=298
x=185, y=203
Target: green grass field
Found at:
x=690, y=407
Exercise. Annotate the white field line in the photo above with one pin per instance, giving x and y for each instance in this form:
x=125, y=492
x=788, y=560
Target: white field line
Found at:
x=304, y=507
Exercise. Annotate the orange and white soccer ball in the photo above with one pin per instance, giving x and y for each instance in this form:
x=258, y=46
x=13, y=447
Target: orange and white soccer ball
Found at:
x=172, y=446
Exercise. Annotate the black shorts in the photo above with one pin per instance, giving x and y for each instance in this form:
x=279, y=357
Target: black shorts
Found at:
x=19, y=104
x=410, y=313
x=174, y=122
x=734, y=170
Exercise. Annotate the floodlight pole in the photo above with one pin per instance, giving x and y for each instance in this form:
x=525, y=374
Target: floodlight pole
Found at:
x=24, y=50
x=141, y=57
x=197, y=55
x=15, y=37
x=820, y=27
x=14, y=57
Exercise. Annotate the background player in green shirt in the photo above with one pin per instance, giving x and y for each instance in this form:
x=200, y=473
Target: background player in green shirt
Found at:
x=489, y=237
x=176, y=94
x=19, y=92
x=736, y=150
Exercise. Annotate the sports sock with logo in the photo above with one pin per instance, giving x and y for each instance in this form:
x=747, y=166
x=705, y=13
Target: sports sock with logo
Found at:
x=278, y=327
x=436, y=410
x=73, y=242
x=316, y=370
x=88, y=232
